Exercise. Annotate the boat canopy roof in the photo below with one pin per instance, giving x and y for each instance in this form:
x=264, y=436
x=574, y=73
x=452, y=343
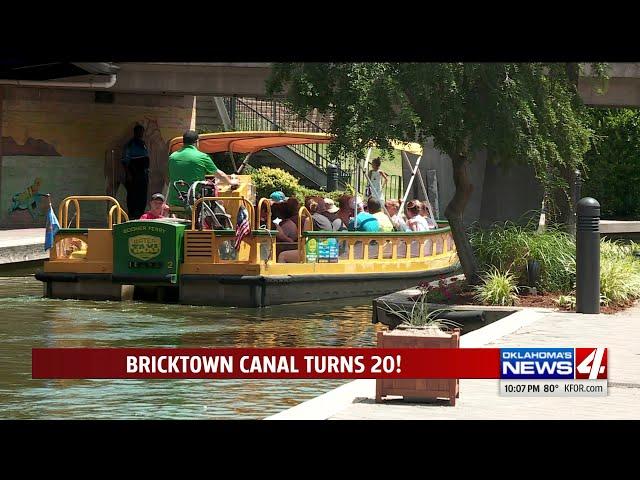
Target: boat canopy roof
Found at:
x=250, y=142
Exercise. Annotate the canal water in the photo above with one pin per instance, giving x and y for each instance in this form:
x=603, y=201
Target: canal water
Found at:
x=29, y=321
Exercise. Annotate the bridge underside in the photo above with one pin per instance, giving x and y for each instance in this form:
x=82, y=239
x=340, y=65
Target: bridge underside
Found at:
x=622, y=89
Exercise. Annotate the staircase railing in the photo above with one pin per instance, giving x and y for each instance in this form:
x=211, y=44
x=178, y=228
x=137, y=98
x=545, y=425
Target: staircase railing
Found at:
x=273, y=115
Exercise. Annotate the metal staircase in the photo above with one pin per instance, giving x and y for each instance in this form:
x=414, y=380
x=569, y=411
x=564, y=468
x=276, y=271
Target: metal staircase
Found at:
x=307, y=162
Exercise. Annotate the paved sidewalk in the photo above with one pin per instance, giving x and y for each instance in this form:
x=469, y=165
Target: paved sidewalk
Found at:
x=22, y=245
x=479, y=399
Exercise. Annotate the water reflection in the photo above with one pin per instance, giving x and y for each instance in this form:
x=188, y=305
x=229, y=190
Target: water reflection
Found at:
x=28, y=321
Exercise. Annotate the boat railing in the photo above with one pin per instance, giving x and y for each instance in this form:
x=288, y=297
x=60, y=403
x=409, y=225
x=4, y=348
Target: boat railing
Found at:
x=90, y=246
x=63, y=210
x=366, y=246
x=303, y=213
x=267, y=203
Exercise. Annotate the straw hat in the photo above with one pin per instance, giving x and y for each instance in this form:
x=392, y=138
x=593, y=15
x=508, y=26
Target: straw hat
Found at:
x=331, y=205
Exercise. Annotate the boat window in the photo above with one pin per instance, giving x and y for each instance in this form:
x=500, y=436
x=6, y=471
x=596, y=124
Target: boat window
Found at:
x=373, y=249
x=226, y=251
x=415, y=249
x=451, y=245
x=71, y=248
x=428, y=247
x=343, y=250
x=439, y=245
x=402, y=249
x=387, y=249
x=265, y=251
x=358, y=250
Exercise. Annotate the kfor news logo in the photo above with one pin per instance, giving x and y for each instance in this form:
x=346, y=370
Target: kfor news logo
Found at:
x=553, y=363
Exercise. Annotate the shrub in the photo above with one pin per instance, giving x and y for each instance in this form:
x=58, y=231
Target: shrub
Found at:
x=508, y=247
x=268, y=180
x=497, y=288
x=619, y=279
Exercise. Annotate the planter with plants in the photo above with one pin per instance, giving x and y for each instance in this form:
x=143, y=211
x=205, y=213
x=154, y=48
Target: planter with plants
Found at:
x=418, y=328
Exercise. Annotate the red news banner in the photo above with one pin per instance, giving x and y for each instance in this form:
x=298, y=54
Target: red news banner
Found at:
x=265, y=363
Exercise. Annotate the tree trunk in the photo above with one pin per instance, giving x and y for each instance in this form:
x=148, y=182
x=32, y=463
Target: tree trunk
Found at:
x=455, y=212
x=564, y=203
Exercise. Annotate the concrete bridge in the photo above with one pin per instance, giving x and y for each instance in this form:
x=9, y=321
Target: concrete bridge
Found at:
x=248, y=79
x=622, y=89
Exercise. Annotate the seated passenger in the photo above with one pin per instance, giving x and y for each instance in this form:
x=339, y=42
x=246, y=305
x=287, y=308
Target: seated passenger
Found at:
x=345, y=212
x=416, y=222
x=277, y=197
x=424, y=211
x=397, y=219
x=363, y=222
x=288, y=232
x=158, y=209
x=375, y=209
x=331, y=213
x=288, y=227
x=316, y=207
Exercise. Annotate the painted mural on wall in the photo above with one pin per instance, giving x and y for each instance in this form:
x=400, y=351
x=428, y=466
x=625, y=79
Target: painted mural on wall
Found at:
x=68, y=145
x=28, y=200
x=32, y=146
x=25, y=205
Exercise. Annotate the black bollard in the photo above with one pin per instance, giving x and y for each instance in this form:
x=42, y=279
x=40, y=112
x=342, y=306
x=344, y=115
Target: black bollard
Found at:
x=588, y=256
x=332, y=178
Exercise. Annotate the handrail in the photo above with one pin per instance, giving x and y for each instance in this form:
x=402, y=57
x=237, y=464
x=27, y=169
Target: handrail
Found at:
x=119, y=217
x=314, y=155
x=63, y=209
x=194, y=208
x=306, y=213
x=259, y=210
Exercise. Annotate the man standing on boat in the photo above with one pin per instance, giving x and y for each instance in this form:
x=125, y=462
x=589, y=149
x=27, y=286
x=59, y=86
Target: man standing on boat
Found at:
x=190, y=165
x=136, y=166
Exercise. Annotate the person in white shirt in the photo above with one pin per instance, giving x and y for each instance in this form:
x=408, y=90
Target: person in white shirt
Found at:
x=378, y=181
x=397, y=219
x=416, y=222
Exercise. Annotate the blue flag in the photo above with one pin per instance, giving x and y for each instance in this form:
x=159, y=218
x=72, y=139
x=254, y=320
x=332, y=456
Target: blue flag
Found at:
x=51, y=229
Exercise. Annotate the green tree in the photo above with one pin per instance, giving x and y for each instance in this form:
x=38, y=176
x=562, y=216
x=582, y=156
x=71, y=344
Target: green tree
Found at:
x=613, y=164
x=520, y=112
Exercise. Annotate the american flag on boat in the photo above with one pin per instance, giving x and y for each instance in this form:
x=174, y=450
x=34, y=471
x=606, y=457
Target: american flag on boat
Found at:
x=242, y=226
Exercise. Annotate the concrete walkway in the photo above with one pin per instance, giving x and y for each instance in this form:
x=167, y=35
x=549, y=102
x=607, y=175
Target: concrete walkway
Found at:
x=479, y=399
x=22, y=245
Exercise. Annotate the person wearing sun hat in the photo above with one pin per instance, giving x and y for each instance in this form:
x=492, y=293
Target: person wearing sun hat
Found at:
x=331, y=212
x=331, y=205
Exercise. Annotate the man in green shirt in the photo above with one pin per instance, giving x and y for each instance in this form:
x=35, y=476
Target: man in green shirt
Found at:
x=189, y=165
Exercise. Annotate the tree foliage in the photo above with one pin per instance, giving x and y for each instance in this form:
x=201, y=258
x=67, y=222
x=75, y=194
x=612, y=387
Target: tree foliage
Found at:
x=613, y=164
x=519, y=112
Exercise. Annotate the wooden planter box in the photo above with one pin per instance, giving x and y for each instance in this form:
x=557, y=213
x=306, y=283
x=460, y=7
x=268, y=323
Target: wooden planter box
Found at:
x=418, y=389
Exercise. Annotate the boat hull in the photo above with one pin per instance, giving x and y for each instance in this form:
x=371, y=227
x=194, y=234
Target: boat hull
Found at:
x=244, y=291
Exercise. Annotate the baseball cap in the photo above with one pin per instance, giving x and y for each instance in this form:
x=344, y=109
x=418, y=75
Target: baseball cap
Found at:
x=157, y=196
x=278, y=196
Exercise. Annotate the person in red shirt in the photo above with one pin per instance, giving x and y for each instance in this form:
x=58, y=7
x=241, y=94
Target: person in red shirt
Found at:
x=159, y=209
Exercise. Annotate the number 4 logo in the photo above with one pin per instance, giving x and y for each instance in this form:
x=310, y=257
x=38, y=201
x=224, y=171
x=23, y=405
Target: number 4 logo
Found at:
x=591, y=363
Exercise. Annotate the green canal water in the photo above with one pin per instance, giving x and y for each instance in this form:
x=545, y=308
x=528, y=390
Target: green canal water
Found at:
x=29, y=321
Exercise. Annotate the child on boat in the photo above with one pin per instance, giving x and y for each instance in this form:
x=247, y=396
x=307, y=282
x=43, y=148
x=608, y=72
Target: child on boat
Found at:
x=158, y=209
x=377, y=181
